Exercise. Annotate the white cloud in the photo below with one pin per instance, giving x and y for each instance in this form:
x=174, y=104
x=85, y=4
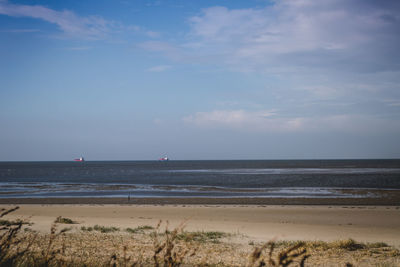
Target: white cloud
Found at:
x=290, y=26
x=90, y=27
x=262, y=120
x=269, y=121
x=159, y=68
x=72, y=25
x=293, y=36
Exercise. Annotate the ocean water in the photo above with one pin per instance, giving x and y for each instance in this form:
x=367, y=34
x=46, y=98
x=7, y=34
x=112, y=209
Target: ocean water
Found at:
x=235, y=178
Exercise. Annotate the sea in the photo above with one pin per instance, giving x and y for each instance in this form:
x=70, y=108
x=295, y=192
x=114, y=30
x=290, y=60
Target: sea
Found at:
x=214, y=178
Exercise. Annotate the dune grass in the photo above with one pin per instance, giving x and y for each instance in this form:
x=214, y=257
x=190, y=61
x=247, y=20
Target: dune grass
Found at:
x=159, y=246
x=100, y=228
x=86, y=229
x=345, y=244
x=201, y=236
x=9, y=223
x=105, y=229
x=139, y=229
x=64, y=220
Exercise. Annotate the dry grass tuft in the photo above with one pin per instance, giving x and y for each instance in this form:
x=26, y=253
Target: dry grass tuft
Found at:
x=64, y=220
x=17, y=249
x=9, y=240
x=348, y=244
x=99, y=228
x=87, y=229
x=295, y=253
x=139, y=229
x=201, y=236
x=167, y=248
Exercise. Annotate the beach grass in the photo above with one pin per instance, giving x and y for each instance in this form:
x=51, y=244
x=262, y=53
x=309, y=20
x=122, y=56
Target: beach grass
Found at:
x=105, y=229
x=159, y=246
x=64, y=220
x=9, y=223
x=100, y=228
x=139, y=229
x=202, y=236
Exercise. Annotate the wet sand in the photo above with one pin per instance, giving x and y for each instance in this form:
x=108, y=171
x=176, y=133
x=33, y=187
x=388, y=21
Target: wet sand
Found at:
x=391, y=198
x=369, y=197
x=249, y=222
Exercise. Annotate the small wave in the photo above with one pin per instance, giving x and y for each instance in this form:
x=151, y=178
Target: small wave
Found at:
x=291, y=171
x=140, y=190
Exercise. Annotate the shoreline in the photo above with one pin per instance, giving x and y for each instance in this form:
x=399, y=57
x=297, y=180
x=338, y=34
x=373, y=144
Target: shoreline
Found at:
x=389, y=200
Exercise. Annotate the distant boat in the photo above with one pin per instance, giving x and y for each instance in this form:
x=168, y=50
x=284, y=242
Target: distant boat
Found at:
x=81, y=159
x=164, y=159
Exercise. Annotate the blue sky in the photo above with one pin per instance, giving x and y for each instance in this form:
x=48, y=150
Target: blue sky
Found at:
x=136, y=80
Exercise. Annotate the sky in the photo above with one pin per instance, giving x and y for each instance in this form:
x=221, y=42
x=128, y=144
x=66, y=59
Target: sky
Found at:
x=255, y=79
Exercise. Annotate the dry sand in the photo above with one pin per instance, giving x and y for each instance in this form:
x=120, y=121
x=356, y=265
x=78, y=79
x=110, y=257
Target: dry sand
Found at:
x=258, y=223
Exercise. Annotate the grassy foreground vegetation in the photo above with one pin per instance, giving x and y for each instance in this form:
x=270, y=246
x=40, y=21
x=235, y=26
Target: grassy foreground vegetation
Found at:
x=64, y=220
x=139, y=229
x=158, y=246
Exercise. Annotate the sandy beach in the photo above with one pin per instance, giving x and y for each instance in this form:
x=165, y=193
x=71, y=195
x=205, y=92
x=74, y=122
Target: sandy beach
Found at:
x=251, y=223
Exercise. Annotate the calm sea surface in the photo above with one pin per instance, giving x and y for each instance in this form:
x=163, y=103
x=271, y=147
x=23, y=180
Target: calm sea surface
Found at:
x=247, y=178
